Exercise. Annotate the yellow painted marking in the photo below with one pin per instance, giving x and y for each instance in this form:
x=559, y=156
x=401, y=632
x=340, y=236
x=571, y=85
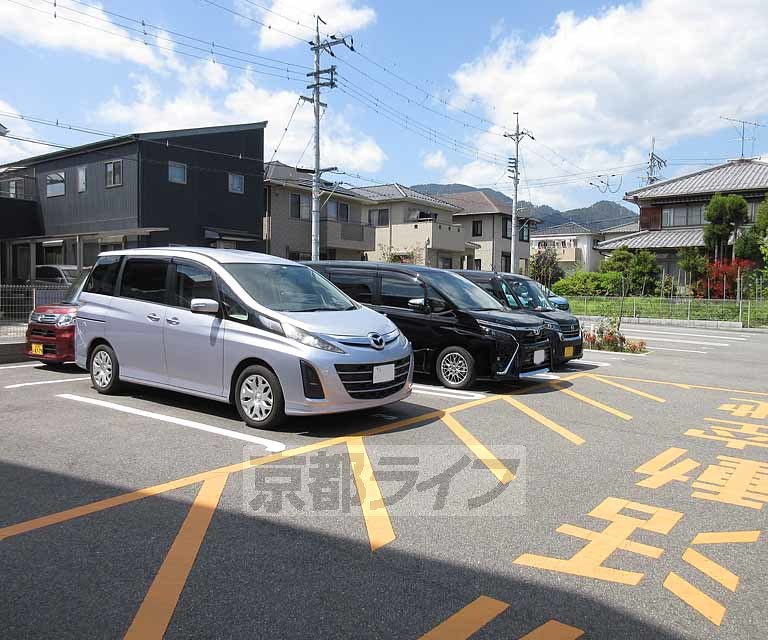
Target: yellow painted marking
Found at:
x=550, y=424
x=695, y=598
x=554, y=630
x=375, y=513
x=482, y=453
x=749, y=408
x=736, y=481
x=467, y=621
x=626, y=545
x=681, y=385
x=623, y=387
x=406, y=422
x=660, y=474
x=710, y=568
x=155, y=612
x=726, y=537
x=590, y=401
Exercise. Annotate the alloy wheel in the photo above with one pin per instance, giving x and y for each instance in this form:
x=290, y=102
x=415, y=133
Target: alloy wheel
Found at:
x=454, y=368
x=101, y=368
x=256, y=397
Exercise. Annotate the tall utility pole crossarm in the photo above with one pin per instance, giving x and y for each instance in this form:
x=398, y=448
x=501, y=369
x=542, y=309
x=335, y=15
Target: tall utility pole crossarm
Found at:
x=322, y=78
x=514, y=168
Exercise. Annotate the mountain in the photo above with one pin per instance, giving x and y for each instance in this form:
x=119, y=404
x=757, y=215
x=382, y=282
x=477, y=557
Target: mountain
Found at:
x=598, y=216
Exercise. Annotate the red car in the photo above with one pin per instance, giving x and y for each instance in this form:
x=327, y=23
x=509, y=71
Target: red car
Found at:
x=51, y=328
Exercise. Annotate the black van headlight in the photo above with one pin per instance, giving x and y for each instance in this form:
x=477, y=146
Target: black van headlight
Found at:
x=554, y=326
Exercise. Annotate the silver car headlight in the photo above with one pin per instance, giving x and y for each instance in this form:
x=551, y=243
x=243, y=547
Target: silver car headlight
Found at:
x=66, y=319
x=294, y=333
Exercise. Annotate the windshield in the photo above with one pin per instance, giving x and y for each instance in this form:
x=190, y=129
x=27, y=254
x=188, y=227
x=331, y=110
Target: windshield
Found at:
x=289, y=288
x=461, y=292
x=73, y=293
x=529, y=293
x=70, y=274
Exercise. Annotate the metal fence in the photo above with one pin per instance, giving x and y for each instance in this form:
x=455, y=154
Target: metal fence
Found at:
x=750, y=313
x=18, y=301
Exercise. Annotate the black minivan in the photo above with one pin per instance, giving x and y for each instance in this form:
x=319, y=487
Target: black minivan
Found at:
x=457, y=330
x=519, y=292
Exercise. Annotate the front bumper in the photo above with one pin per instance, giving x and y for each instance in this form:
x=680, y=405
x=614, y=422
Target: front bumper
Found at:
x=574, y=345
x=522, y=358
x=58, y=343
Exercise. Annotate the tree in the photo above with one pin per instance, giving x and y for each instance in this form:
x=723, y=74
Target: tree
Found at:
x=692, y=261
x=639, y=269
x=748, y=245
x=724, y=215
x=545, y=267
x=761, y=221
x=619, y=260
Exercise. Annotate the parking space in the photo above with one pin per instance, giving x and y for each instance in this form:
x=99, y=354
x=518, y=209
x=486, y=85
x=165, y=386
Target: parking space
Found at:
x=620, y=497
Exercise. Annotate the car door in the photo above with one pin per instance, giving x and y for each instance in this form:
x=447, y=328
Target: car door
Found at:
x=194, y=342
x=135, y=324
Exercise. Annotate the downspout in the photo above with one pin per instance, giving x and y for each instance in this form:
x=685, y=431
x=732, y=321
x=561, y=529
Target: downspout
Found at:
x=139, y=180
x=493, y=242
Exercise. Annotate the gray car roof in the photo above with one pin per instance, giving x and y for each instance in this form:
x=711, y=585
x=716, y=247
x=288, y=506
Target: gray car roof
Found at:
x=224, y=256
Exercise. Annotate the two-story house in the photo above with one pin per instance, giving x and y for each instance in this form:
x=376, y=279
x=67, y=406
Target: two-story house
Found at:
x=201, y=187
x=574, y=244
x=487, y=223
x=344, y=230
x=414, y=226
x=672, y=211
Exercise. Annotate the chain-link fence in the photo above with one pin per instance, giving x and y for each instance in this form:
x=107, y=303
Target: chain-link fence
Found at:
x=751, y=313
x=18, y=301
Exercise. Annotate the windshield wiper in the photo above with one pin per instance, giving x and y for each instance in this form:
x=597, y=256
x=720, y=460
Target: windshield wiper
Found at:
x=313, y=309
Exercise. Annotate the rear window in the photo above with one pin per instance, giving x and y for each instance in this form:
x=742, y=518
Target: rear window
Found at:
x=104, y=276
x=358, y=286
x=144, y=280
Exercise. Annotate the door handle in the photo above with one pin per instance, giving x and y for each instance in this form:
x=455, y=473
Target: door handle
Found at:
x=173, y=321
x=153, y=317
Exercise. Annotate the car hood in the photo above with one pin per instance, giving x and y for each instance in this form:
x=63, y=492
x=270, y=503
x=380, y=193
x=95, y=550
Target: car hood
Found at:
x=512, y=318
x=60, y=308
x=342, y=324
x=561, y=317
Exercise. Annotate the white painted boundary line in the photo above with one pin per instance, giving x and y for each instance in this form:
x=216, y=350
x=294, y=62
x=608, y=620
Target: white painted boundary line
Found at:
x=32, y=384
x=446, y=393
x=592, y=362
x=271, y=445
x=687, y=335
x=655, y=339
x=21, y=366
x=681, y=350
x=614, y=354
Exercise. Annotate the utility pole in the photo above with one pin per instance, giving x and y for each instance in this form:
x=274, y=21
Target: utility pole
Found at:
x=322, y=78
x=514, y=173
x=655, y=163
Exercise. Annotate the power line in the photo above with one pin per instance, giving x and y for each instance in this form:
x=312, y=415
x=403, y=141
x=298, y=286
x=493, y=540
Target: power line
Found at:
x=254, y=20
x=57, y=123
x=282, y=137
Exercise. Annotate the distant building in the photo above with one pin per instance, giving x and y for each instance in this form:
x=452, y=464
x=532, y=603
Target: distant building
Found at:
x=487, y=223
x=344, y=230
x=672, y=211
x=201, y=187
x=621, y=230
x=575, y=245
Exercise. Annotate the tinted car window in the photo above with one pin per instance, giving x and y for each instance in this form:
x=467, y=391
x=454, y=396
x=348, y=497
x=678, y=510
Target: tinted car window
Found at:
x=397, y=291
x=144, y=280
x=358, y=286
x=104, y=276
x=192, y=281
x=461, y=292
x=48, y=273
x=233, y=308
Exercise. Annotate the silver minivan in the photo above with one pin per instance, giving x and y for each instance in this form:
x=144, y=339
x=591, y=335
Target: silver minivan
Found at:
x=269, y=335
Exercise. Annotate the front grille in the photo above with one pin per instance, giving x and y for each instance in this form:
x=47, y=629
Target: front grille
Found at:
x=571, y=333
x=42, y=333
x=358, y=379
x=49, y=349
x=527, y=363
x=45, y=318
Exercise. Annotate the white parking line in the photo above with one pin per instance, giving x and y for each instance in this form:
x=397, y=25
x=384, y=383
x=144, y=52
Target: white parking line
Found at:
x=685, y=334
x=545, y=376
x=592, y=362
x=428, y=390
x=619, y=355
x=681, y=350
x=32, y=384
x=655, y=339
x=271, y=445
x=21, y=366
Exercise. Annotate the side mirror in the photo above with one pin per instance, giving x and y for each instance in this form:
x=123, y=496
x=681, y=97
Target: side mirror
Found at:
x=418, y=304
x=204, y=305
x=437, y=306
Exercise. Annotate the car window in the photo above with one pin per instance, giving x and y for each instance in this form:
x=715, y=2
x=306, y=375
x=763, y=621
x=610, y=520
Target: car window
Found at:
x=49, y=274
x=396, y=291
x=104, y=276
x=192, y=281
x=233, y=308
x=358, y=286
x=73, y=293
x=144, y=280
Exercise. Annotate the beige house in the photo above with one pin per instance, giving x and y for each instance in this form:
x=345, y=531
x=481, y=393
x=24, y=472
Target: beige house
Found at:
x=488, y=224
x=576, y=246
x=344, y=230
x=416, y=227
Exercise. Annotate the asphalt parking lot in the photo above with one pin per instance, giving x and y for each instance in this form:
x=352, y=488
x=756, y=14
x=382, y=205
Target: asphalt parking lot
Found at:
x=621, y=498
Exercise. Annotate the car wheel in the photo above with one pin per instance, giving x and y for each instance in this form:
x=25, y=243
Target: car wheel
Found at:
x=105, y=371
x=456, y=368
x=259, y=397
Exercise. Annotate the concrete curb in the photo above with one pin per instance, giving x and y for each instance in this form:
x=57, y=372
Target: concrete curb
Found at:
x=712, y=324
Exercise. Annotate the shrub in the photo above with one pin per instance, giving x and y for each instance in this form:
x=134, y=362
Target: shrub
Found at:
x=607, y=337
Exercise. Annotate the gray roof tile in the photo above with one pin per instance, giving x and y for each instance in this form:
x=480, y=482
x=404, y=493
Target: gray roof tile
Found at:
x=660, y=239
x=396, y=191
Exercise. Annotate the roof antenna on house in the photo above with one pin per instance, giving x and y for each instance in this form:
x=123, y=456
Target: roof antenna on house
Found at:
x=655, y=164
x=742, y=135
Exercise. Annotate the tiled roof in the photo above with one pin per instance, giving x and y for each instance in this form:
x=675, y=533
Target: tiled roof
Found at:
x=566, y=229
x=736, y=175
x=660, y=239
x=396, y=191
x=479, y=202
x=627, y=227
x=282, y=174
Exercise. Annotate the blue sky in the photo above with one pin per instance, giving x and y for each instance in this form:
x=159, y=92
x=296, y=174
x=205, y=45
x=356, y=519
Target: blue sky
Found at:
x=593, y=84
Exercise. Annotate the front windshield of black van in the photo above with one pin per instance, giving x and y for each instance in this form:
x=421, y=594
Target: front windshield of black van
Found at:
x=529, y=293
x=289, y=287
x=462, y=293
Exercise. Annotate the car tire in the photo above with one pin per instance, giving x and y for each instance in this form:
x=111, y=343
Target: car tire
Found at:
x=456, y=368
x=259, y=398
x=104, y=370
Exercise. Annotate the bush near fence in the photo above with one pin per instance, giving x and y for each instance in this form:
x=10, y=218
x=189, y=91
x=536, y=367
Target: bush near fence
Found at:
x=751, y=313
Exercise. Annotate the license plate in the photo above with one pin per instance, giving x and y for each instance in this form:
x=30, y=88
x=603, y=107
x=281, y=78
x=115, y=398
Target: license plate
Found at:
x=539, y=356
x=568, y=353
x=37, y=349
x=383, y=373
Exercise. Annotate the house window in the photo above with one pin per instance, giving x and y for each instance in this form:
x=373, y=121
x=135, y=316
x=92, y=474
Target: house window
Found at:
x=378, y=217
x=177, y=172
x=478, y=264
x=506, y=261
x=682, y=216
x=446, y=263
x=300, y=206
x=343, y=212
x=10, y=189
x=477, y=228
x=113, y=173
x=82, y=180
x=524, y=234
x=332, y=210
x=506, y=229
x=54, y=184
x=236, y=183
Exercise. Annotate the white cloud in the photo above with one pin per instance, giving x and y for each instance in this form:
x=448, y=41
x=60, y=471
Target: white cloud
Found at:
x=10, y=149
x=597, y=88
x=341, y=15
x=434, y=160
